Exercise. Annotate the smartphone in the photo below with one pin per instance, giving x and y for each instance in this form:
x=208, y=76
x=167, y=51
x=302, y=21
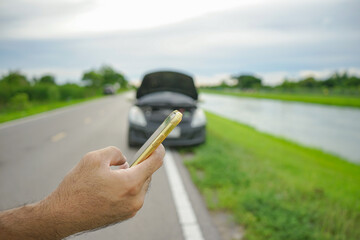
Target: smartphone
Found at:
x=157, y=137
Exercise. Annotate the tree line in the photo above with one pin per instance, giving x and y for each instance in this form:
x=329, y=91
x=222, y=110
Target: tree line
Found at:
x=17, y=91
x=337, y=81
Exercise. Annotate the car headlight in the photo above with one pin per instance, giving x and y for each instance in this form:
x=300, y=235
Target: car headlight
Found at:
x=136, y=116
x=199, y=118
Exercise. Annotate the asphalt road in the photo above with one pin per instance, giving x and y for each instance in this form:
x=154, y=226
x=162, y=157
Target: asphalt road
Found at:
x=37, y=152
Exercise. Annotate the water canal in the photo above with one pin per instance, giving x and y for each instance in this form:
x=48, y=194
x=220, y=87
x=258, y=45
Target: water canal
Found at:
x=332, y=129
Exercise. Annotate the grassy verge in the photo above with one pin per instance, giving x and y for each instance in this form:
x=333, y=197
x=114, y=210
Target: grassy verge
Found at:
x=346, y=101
x=275, y=188
x=36, y=107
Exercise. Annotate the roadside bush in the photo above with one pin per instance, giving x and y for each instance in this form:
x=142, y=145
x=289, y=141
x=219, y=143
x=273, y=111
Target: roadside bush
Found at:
x=19, y=102
x=39, y=92
x=53, y=93
x=5, y=93
x=73, y=91
x=44, y=92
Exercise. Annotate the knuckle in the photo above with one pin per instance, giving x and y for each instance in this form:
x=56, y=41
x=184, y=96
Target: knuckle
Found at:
x=131, y=215
x=131, y=186
x=90, y=158
x=133, y=190
x=114, y=149
x=116, y=152
x=137, y=205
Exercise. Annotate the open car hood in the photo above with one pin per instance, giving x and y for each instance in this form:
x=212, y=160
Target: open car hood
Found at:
x=167, y=81
x=166, y=99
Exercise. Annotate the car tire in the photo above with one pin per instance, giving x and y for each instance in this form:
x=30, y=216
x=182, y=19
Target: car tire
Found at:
x=131, y=143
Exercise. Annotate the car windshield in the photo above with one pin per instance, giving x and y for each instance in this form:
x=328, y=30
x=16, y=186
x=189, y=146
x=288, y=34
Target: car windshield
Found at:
x=167, y=81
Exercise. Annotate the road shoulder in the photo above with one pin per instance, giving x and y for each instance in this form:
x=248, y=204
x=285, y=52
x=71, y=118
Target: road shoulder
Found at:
x=208, y=228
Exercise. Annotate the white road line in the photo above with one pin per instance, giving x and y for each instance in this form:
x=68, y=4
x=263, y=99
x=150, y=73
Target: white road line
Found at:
x=58, y=137
x=190, y=227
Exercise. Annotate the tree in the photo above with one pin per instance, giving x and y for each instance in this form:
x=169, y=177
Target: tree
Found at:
x=105, y=75
x=47, y=79
x=93, y=79
x=247, y=81
x=16, y=79
x=224, y=84
x=287, y=84
x=110, y=76
x=353, y=82
x=343, y=80
x=308, y=82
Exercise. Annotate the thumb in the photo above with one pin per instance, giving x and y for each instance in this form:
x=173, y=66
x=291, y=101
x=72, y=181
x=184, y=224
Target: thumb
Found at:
x=147, y=167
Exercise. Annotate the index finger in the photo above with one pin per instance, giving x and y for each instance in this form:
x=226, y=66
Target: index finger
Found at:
x=112, y=156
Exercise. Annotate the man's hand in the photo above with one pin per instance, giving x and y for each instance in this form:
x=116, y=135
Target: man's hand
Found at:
x=92, y=195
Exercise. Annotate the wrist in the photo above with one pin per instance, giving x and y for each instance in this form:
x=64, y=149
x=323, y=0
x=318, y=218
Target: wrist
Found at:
x=31, y=221
x=56, y=219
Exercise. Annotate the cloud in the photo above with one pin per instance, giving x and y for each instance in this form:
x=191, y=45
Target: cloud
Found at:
x=272, y=38
x=66, y=18
x=273, y=78
x=38, y=18
x=213, y=79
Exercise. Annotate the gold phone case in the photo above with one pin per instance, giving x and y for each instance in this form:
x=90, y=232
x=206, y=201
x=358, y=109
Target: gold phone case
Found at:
x=157, y=137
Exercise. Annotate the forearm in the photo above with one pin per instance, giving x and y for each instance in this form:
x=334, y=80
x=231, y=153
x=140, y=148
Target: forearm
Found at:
x=91, y=196
x=47, y=219
x=33, y=221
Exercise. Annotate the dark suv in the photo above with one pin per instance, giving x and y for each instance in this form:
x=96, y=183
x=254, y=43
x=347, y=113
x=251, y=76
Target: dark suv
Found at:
x=159, y=94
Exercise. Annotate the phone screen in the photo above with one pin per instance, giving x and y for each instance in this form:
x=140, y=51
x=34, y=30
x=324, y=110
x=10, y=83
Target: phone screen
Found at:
x=157, y=137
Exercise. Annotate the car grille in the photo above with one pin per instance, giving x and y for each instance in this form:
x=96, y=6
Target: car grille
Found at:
x=158, y=115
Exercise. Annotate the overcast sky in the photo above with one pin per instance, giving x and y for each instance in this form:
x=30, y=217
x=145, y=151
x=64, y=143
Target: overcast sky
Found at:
x=210, y=39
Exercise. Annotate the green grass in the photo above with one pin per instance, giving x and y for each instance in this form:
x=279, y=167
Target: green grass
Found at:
x=35, y=108
x=345, y=101
x=275, y=188
x=39, y=107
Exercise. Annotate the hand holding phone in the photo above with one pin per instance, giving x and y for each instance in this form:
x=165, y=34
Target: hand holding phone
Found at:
x=157, y=137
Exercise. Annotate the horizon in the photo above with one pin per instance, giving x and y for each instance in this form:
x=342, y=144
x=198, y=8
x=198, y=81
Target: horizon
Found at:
x=322, y=76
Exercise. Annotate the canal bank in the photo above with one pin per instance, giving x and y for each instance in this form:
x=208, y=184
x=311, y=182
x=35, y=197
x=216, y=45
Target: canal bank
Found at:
x=332, y=129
